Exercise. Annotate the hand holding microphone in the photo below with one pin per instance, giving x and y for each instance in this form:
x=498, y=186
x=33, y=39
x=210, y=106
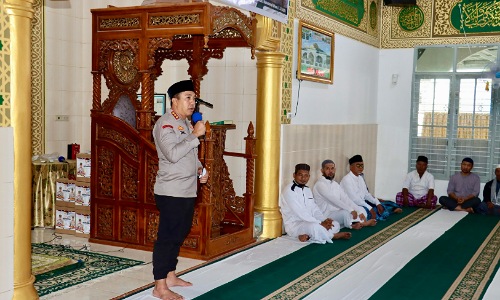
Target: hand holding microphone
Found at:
x=199, y=127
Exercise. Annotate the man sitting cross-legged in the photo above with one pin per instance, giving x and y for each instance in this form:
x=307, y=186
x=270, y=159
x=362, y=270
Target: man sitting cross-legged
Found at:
x=463, y=189
x=302, y=218
x=355, y=187
x=334, y=202
x=418, y=187
x=491, y=196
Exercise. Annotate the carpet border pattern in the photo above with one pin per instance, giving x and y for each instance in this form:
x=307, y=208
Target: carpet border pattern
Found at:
x=474, y=277
x=313, y=279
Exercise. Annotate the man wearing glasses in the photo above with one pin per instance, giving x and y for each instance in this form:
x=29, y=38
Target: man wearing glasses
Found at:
x=355, y=186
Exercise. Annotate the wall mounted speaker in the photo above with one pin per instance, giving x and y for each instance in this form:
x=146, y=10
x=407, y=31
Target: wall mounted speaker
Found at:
x=400, y=2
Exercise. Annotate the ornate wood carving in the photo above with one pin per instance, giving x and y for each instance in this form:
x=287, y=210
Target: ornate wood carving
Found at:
x=129, y=179
x=118, y=138
x=152, y=170
x=105, y=170
x=114, y=23
x=129, y=47
x=152, y=222
x=190, y=242
x=228, y=17
x=105, y=220
x=128, y=231
x=175, y=19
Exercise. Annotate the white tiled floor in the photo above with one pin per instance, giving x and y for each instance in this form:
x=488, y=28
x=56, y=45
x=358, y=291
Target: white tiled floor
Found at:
x=108, y=286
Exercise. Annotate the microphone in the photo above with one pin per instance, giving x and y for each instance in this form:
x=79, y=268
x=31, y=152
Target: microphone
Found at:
x=196, y=116
x=198, y=100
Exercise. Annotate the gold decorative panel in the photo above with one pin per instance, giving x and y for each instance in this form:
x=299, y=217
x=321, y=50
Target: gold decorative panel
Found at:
x=5, y=120
x=441, y=24
x=286, y=47
x=37, y=80
x=430, y=23
x=352, y=20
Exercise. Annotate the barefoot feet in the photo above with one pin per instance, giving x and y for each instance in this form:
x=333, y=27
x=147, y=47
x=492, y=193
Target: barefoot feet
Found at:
x=304, y=237
x=371, y=222
x=397, y=210
x=356, y=225
x=166, y=294
x=176, y=281
x=342, y=236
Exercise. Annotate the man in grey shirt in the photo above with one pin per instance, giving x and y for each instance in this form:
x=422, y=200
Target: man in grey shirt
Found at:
x=179, y=169
x=463, y=189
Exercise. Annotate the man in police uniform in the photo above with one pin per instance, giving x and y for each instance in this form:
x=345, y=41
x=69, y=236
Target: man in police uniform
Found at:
x=179, y=169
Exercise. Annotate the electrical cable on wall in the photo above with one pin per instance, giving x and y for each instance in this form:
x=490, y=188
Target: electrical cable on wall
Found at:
x=298, y=97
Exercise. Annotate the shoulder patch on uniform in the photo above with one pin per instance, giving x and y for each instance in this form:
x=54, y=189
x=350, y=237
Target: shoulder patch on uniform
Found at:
x=176, y=116
x=167, y=126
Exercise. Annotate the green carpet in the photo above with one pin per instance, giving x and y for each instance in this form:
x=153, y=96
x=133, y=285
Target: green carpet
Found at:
x=266, y=280
x=445, y=259
x=88, y=266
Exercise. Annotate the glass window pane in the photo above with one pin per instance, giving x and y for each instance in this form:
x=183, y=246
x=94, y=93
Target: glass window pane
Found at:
x=474, y=108
x=434, y=60
x=476, y=58
x=433, y=107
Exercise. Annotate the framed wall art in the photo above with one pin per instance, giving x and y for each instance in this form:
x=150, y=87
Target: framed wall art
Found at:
x=316, y=48
x=160, y=105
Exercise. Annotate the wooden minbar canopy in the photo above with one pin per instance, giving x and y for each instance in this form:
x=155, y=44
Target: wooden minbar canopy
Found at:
x=129, y=45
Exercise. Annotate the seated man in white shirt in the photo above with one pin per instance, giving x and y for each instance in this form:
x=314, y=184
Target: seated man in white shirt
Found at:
x=334, y=202
x=301, y=216
x=355, y=187
x=418, y=187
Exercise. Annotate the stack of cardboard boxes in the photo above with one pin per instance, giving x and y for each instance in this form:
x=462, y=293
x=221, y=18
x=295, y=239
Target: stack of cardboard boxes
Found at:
x=73, y=200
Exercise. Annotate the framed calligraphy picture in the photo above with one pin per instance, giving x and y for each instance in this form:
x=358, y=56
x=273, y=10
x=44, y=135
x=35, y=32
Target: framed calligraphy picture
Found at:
x=315, y=59
x=160, y=105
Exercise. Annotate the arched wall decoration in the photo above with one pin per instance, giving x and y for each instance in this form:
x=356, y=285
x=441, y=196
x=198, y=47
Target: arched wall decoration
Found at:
x=129, y=47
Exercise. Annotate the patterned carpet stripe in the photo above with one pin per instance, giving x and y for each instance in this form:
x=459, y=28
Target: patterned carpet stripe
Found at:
x=326, y=271
x=94, y=265
x=472, y=281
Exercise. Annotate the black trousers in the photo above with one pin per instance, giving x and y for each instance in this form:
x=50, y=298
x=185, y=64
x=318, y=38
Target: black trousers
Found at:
x=452, y=204
x=176, y=217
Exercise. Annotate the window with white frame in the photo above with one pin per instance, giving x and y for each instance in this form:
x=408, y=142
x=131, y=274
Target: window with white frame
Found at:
x=455, y=109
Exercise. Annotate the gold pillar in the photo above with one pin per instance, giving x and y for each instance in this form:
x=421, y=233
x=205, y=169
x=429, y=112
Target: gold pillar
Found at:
x=20, y=14
x=267, y=167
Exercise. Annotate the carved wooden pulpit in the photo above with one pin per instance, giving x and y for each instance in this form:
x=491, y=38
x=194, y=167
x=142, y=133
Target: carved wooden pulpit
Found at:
x=128, y=47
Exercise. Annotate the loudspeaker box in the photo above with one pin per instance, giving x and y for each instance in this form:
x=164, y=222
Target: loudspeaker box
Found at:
x=400, y=2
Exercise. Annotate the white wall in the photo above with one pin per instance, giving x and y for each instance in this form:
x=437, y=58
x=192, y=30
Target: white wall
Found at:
x=393, y=118
x=68, y=81
x=351, y=99
x=7, y=213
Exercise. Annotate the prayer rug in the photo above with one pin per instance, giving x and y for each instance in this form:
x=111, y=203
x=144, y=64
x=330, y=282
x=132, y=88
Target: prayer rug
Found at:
x=460, y=264
x=88, y=266
x=241, y=281
x=42, y=263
